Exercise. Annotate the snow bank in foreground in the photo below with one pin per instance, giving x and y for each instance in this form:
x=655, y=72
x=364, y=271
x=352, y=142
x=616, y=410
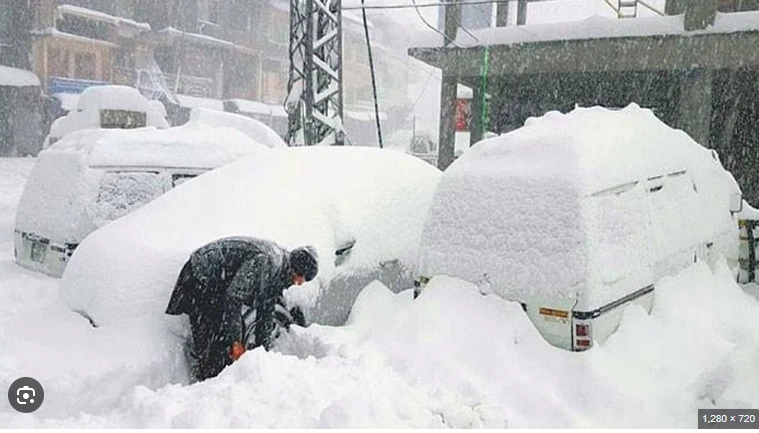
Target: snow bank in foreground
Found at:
x=450, y=358
x=697, y=349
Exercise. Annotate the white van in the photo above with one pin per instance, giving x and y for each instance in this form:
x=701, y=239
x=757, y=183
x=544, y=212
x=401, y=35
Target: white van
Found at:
x=576, y=215
x=94, y=176
x=109, y=107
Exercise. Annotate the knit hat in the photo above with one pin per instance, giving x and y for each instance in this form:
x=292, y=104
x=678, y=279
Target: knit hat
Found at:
x=305, y=262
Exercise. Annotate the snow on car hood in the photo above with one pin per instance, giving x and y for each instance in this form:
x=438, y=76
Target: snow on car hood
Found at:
x=321, y=196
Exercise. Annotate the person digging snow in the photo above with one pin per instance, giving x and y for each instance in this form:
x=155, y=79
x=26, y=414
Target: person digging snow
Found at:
x=223, y=277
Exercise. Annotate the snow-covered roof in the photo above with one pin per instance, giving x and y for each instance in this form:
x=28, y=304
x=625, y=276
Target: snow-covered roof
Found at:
x=17, y=77
x=196, y=101
x=68, y=101
x=52, y=31
x=252, y=107
x=320, y=196
x=196, y=37
x=100, y=16
x=593, y=27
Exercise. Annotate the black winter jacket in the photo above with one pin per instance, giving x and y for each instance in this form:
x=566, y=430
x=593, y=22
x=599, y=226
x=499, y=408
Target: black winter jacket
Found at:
x=222, y=276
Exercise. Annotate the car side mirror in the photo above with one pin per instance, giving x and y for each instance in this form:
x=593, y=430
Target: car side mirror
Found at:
x=736, y=202
x=343, y=251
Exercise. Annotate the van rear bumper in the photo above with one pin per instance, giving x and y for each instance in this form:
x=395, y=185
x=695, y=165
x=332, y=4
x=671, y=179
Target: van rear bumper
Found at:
x=40, y=254
x=585, y=315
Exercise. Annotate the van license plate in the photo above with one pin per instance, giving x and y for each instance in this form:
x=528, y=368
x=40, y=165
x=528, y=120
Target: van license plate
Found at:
x=38, y=252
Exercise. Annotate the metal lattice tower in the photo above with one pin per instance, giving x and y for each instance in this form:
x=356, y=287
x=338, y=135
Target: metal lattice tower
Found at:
x=315, y=85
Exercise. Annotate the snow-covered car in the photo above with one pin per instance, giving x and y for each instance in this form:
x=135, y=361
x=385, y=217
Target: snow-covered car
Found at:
x=253, y=128
x=109, y=107
x=419, y=144
x=94, y=176
x=576, y=215
x=361, y=208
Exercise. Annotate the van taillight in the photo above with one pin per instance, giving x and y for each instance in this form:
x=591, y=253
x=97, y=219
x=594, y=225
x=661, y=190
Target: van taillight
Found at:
x=583, y=343
x=581, y=330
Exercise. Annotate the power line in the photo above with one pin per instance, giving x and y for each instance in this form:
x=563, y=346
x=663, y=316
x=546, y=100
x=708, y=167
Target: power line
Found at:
x=421, y=17
x=374, y=81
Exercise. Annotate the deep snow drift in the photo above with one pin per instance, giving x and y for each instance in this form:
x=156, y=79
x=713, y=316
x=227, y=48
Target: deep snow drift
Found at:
x=450, y=358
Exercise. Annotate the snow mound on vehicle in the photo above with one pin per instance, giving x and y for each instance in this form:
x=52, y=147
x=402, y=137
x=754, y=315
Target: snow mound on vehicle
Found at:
x=58, y=198
x=194, y=144
x=320, y=196
x=535, y=212
x=109, y=97
x=254, y=129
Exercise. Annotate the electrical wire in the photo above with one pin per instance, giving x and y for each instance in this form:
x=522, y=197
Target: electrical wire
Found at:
x=446, y=39
x=374, y=81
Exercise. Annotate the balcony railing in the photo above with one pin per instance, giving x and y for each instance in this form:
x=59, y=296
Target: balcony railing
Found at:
x=191, y=85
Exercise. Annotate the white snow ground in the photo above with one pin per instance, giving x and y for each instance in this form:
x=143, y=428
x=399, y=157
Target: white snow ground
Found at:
x=451, y=358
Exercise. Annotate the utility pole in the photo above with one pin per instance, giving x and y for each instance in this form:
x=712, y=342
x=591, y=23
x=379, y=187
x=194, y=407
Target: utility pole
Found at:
x=315, y=83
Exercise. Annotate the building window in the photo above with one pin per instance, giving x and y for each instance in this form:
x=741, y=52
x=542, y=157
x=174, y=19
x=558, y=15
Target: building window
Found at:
x=83, y=27
x=84, y=64
x=58, y=62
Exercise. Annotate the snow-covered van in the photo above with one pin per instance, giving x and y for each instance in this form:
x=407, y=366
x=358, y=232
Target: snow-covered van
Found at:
x=109, y=107
x=576, y=215
x=94, y=176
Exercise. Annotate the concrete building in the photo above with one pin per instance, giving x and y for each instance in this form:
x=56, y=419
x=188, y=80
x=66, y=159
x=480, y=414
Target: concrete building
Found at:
x=697, y=68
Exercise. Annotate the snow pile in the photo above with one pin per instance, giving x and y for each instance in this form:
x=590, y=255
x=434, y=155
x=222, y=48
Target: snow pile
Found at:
x=60, y=197
x=451, y=358
x=697, y=349
x=573, y=201
x=254, y=129
x=323, y=197
x=17, y=77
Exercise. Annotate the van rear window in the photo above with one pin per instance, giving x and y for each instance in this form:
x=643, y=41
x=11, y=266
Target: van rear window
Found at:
x=124, y=192
x=122, y=119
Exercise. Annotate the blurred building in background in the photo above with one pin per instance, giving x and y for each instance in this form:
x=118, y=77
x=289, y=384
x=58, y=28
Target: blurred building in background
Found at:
x=226, y=55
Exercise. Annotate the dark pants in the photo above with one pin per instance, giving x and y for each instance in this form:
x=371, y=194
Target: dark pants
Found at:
x=203, y=300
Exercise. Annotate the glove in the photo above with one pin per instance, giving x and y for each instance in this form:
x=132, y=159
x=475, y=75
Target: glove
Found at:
x=236, y=351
